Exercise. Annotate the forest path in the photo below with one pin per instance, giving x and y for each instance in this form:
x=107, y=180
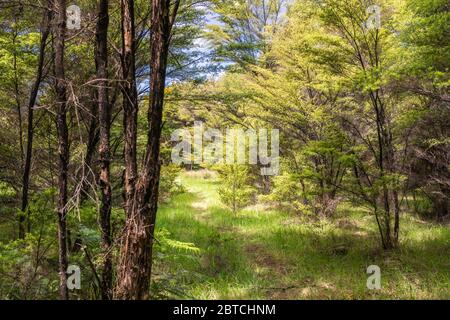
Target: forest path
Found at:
x=244, y=229
x=264, y=253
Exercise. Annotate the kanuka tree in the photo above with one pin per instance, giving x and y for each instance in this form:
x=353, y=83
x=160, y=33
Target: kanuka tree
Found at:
x=369, y=64
x=429, y=79
x=244, y=29
x=45, y=31
x=134, y=269
x=130, y=100
x=59, y=33
x=104, y=111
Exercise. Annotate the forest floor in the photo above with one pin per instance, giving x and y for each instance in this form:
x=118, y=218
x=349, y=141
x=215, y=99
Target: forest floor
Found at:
x=262, y=253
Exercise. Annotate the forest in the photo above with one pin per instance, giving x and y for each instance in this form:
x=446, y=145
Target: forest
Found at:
x=224, y=149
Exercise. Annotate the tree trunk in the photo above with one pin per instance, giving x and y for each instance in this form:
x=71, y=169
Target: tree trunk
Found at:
x=386, y=165
x=441, y=205
x=130, y=101
x=33, y=96
x=17, y=95
x=59, y=8
x=136, y=253
x=104, y=148
x=396, y=217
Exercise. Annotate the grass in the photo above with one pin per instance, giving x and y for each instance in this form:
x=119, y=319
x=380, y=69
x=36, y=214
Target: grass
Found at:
x=267, y=254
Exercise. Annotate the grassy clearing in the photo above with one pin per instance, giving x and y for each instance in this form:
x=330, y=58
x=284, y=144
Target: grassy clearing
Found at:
x=267, y=254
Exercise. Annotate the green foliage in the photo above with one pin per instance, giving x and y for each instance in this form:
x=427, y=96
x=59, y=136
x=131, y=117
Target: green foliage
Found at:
x=24, y=269
x=166, y=244
x=236, y=190
x=363, y=116
x=170, y=251
x=258, y=254
x=169, y=185
x=426, y=33
x=244, y=29
x=289, y=194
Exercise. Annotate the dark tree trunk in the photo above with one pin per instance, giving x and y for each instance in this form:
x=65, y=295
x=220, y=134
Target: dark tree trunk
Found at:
x=33, y=96
x=17, y=95
x=130, y=101
x=59, y=9
x=17, y=92
x=385, y=160
x=441, y=205
x=396, y=217
x=104, y=148
x=136, y=253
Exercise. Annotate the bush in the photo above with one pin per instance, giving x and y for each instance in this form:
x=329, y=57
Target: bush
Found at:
x=236, y=191
x=288, y=194
x=168, y=184
x=171, y=253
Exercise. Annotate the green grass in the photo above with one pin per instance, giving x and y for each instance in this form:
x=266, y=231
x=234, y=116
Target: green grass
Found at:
x=267, y=254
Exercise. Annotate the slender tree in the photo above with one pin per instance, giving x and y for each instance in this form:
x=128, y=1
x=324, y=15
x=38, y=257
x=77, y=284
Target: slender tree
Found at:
x=130, y=100
x=33, y=96
x=104, y=111
x=59, y=13
x=17, y=100
x=134, y=270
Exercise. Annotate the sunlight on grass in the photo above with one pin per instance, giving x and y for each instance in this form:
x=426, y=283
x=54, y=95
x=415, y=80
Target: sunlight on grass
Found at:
x=267, y=254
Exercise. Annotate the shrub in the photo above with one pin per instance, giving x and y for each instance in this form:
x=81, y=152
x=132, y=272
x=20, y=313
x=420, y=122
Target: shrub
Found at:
x=236, y=190
x=168, y=184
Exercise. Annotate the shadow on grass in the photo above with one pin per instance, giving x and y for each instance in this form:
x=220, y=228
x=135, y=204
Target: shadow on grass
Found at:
x=221, y=264
x=255, y=255
x=331, y=262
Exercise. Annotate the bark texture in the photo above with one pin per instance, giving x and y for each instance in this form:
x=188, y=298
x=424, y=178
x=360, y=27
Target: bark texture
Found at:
x=59, y=13
x=130, y=101
x=135, y=264
x=104, y=110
